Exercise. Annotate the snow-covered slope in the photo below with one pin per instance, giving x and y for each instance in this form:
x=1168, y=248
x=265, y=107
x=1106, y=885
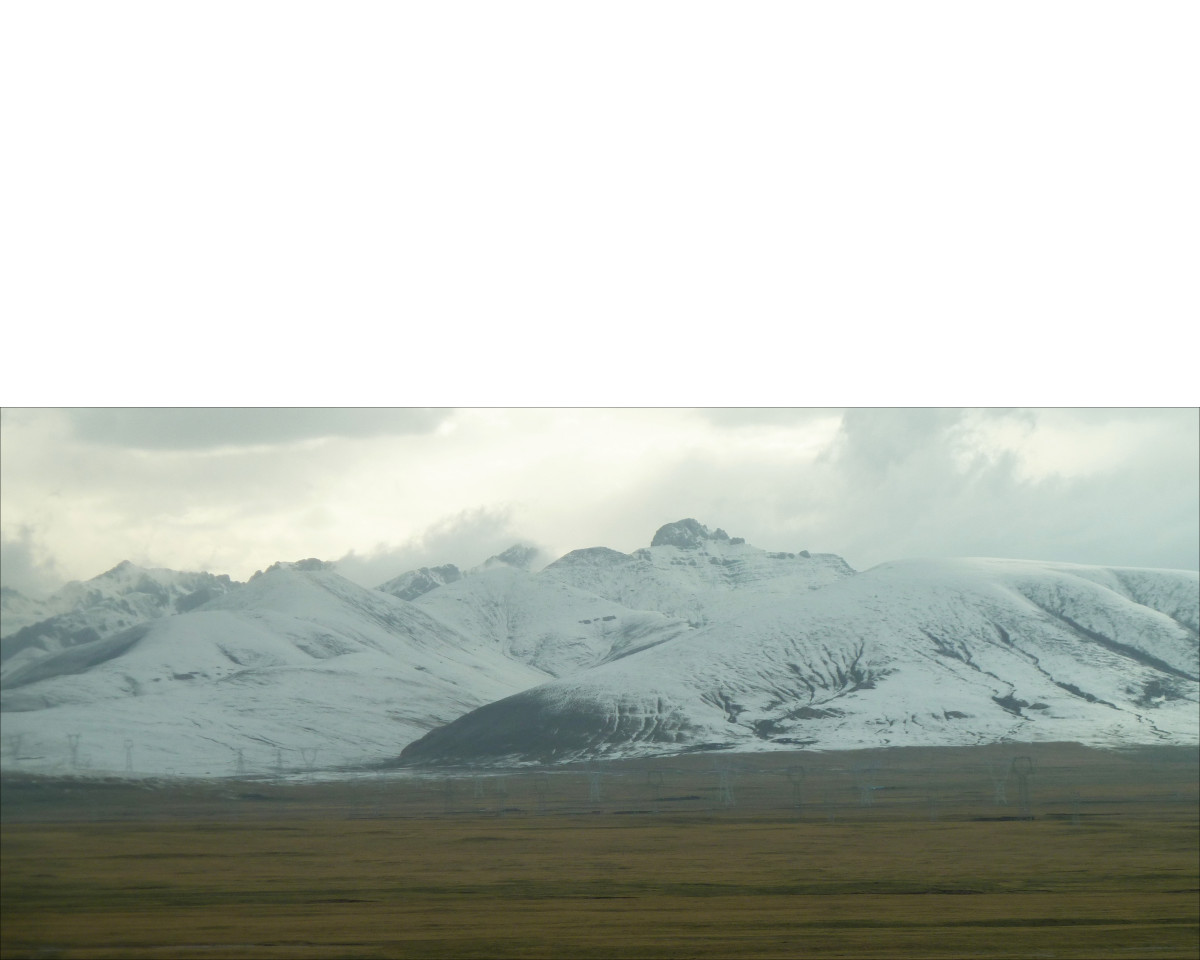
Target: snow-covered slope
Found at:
x=299, y=665
x=545, y=622
x=80, y=612
x=914, y=652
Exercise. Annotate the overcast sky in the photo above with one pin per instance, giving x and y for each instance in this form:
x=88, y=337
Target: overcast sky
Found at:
x=384, y=491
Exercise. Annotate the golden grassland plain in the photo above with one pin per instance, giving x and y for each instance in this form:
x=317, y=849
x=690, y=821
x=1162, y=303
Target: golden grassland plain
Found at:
x=951, y=852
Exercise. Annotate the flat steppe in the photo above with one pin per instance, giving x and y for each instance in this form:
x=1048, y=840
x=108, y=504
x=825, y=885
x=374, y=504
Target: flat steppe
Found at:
x=1013, y=850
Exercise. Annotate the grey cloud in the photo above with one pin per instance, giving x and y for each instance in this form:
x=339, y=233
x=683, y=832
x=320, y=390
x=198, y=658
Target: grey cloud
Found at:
x=902, y=493
x=896, y=484
x=21, y=570
x=873, y=440
x=465, y=539
x=199, y=428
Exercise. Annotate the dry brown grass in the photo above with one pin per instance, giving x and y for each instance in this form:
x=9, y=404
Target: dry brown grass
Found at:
x=518, y=868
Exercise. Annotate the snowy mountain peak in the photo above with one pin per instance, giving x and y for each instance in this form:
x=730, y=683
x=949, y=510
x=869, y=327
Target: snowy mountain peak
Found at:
x=686, y=534
x=519, y=555
x=414, y=583
x=590, y=556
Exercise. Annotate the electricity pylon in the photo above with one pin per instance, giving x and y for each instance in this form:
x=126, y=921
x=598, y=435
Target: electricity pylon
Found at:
x=724, y=788
x=1023, y=768
x=795, y=777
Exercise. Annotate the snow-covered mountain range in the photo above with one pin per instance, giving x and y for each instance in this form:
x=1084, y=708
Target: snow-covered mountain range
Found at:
x=698, y=642
x=90, y=610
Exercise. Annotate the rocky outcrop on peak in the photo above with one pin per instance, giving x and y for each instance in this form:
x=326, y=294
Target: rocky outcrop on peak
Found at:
x=686, y=534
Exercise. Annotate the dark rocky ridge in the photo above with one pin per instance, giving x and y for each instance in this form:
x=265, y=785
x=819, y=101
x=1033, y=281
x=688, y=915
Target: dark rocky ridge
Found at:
x=686, y=534
x=414, y=583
